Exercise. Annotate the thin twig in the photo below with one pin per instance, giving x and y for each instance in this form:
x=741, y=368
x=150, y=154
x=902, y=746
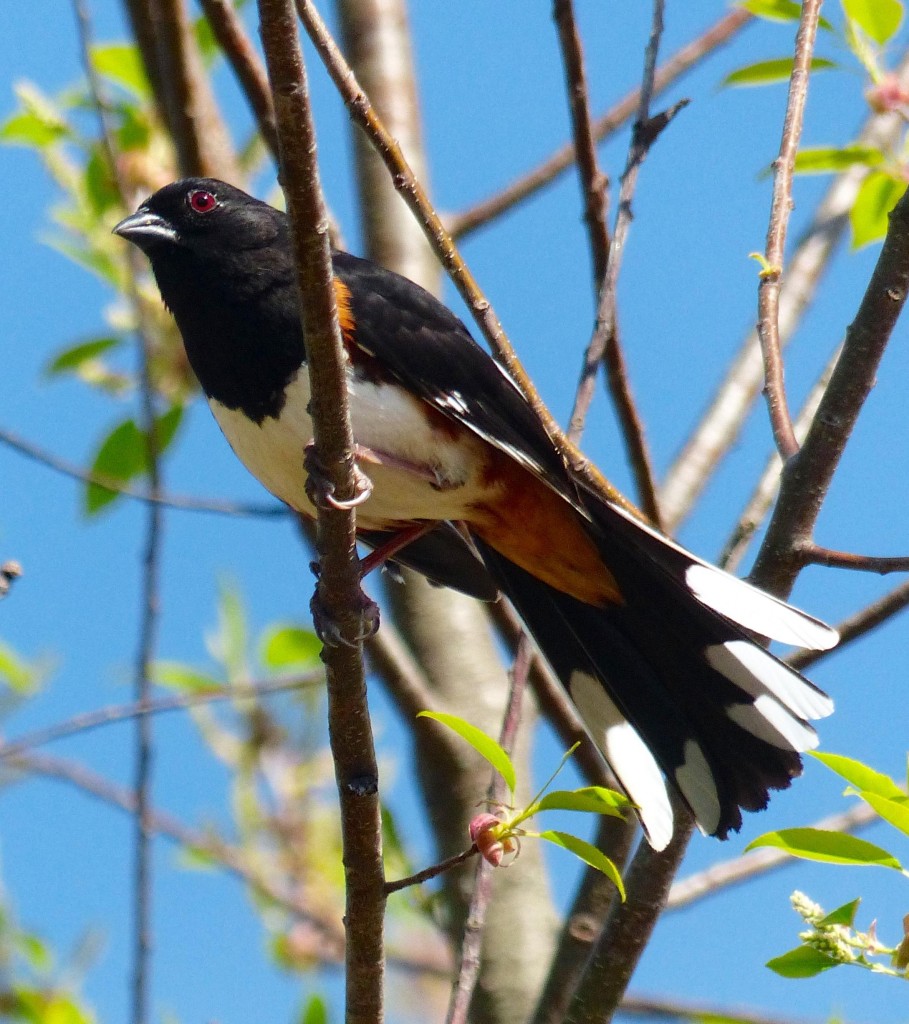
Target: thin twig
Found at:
x=409, y=187
x=123, y=712
x=761, y=501
x=339, y=600
x=171, y=828
x=604, y=349
x=757, y=862
x=594, y=183
x=807, y=476
x=174, y=501
x=683, y=60
x=481, y=897
x=431, y=872
x=769, y=287
x=814, y=554
x=858, y=625
x=733, y=399
x=149, y=609
x=604, y=343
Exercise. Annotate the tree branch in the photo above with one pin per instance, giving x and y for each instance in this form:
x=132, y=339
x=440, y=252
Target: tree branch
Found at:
x=689, y=56
x=228, y=30
x=338, y=593
x=807, y=475
x=174, y=501
x=720, y=425
x=769, y=287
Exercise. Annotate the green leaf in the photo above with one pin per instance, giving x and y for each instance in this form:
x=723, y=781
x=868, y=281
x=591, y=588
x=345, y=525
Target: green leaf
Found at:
x=195, y=858
x=16, y=672
x=71, y=360
x=878, y=19
x=896, y=812
x=780, y=10
x=589, y=854
x=123, y=455
x=484, y=745
x=844, y=915
x=121, y=63
x=831, y=847
x=877, y=196
x=288, y=646
x=315, y=1011
x=831, y=160
x=100, y=187
x=39, y=122
x=802, y=962
x=183, y=678
x=763, y=72
x=860, y=775
x=166, y=427
x=27, y=128
x=591, y=799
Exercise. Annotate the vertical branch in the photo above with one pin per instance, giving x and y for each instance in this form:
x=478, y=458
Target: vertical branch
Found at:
x=593, y=181
x=150, y=614
x=719, y=427
x=807, y=475
x=182, y=92
x=149, y=611
x=604, y=347
x=228, y=29
x=339, y=603
x=769, y=287
x=469, y=971
x=604, y=342
x=683, y=60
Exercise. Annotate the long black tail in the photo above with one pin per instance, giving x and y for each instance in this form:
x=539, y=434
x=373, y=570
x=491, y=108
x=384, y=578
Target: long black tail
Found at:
x=669, y=684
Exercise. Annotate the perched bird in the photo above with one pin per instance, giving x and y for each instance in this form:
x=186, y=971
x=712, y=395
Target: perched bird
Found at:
x=653, y=645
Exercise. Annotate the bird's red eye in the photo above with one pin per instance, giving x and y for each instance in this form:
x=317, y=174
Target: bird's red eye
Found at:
x=201, y=201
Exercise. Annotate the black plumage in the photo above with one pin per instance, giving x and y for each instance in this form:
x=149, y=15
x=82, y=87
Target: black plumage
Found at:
x=653, y=645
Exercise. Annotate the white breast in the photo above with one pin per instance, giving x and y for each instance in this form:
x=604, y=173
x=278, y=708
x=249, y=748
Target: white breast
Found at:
x=441, y=482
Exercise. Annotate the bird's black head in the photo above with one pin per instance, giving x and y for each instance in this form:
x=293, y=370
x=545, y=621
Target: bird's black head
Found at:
x=223, y=266
x=199, y=214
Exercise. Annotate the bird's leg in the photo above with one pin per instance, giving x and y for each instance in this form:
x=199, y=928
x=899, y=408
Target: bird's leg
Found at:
x=428, y=473
x=321, y=491
x=380, y=555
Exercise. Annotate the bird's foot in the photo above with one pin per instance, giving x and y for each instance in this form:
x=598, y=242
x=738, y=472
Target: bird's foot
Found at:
x=320, y=489
x=330, y=630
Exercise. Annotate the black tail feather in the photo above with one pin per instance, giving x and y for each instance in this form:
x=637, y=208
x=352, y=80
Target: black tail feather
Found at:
x=656, y=702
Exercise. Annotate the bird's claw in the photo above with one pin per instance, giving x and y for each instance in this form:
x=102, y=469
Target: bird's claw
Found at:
x=329, y=630
x=320, y=489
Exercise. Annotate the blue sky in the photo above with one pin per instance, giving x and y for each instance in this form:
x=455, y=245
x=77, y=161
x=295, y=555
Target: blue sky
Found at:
x=493, y=105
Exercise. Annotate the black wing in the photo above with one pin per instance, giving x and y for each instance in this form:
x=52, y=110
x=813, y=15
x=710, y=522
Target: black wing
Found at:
x=416, y=339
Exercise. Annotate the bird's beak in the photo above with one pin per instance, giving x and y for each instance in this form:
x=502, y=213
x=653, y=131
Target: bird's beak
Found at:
x=144, y=228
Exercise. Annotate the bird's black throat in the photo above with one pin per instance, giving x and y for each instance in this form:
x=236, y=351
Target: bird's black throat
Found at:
x=241, y=328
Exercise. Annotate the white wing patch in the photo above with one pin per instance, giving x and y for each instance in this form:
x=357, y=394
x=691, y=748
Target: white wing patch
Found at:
x=635, y=767
x=757, y=610
x=695, y=780
x=756, y=672
x=771, y=722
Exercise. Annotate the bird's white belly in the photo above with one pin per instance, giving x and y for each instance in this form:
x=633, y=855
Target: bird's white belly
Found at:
x=432, y=475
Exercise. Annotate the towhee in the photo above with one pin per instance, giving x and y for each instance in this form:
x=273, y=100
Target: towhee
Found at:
x=652, y=644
